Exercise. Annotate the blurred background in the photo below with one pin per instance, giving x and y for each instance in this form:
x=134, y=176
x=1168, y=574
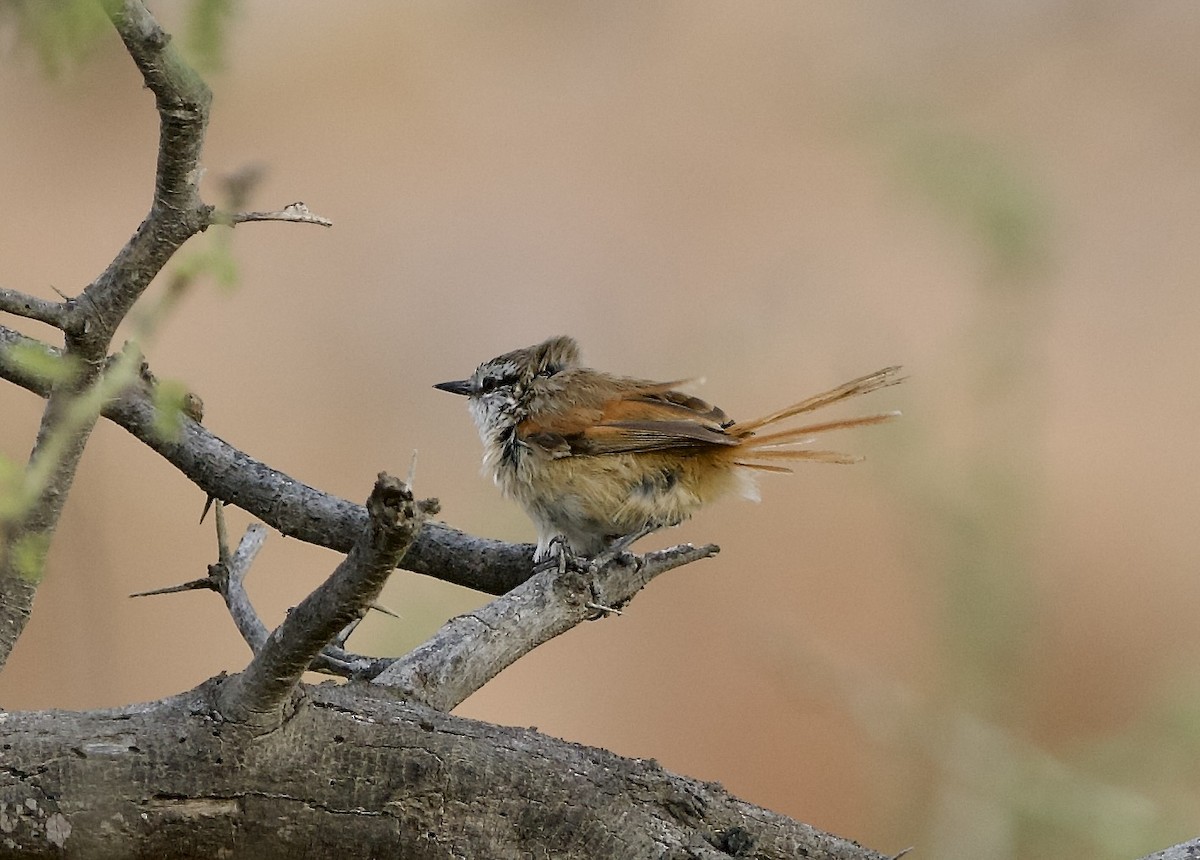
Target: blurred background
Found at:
x=980, y=641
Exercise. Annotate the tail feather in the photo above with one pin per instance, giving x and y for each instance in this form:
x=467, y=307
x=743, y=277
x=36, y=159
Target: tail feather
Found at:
x=753, y=449
x=798, y=454
x=801, y=434
x=862, y=385
x=763, y=467
x=814, y=456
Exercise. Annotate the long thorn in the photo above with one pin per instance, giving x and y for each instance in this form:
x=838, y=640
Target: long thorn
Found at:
x=205, y=582
x=379, y=607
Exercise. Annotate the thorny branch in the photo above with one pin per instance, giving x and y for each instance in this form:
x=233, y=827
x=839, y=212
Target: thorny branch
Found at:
x=470, y=650
x=375, y=538
x=90, y=320
x=286, y=504
x=395, y=518
x=227, y=577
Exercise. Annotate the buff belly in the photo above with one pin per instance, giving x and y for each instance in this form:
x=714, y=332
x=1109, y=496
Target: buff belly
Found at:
x=592, y=501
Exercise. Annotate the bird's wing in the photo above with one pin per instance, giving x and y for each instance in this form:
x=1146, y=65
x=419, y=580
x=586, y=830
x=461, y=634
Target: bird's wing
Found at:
x=650, y=417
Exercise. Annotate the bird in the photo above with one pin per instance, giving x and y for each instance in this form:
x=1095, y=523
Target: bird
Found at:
x=598, y=461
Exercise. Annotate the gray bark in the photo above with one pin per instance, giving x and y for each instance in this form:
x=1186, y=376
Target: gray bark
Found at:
x=352, y=772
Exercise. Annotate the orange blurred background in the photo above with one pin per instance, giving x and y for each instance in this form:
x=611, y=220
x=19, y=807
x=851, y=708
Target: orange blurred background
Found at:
x=979, y=642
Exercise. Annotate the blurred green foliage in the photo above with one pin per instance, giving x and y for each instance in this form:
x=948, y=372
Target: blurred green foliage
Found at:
x=170, y=399
x=38, y=361
x=29, y=555
x=1000, y=794
x=213, y=259
x=977, y=186
x=65, y=33
x=11, y=473
x=206, y=33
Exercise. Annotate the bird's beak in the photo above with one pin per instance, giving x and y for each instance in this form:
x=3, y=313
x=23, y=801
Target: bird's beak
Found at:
x=459, y=386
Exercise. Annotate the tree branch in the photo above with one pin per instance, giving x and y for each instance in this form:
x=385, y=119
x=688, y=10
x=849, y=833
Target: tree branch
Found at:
x=377, y=777
x=470, y=650
x=177, y=213
x=290, y=506
x=1189, y=850
x=394, y=521
x=467, y=651
x=32, y=307
x=296, y=213
x=89, y=322
x=234, y=572
x=227, y=577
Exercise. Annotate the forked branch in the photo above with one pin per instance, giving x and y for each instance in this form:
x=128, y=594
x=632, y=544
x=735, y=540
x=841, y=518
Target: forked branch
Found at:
x=394, y=519
x=286, y=504
x=459, y=658
x=90, y=320
x=470, y=650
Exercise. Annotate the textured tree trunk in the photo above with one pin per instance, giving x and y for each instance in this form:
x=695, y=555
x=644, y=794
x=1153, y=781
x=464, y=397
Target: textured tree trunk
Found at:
x=350, y=773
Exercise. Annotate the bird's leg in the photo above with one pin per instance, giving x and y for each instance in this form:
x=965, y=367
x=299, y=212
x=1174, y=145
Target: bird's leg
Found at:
x=559, y=556
x=616, y=549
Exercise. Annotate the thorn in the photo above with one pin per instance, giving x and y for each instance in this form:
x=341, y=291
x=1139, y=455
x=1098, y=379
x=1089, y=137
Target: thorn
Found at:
x=205, y=582
x=208, y=503
x=379, y=607
x=600, y=607
x=344, y=633
x=412, y=470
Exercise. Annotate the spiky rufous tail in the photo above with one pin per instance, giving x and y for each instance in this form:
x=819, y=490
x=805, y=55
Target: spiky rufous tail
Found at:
x=775, y=446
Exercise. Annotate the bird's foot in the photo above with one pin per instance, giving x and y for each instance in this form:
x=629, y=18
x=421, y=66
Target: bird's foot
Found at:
x=617, y=551
x=559, y=556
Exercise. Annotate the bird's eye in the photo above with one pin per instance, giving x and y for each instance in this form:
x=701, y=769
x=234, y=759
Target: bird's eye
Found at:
x=491, y=382
x=548, y=371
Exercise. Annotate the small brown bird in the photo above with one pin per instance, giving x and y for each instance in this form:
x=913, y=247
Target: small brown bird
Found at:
x=598, y=460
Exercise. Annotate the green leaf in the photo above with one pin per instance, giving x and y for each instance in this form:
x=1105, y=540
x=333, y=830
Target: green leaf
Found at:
x=215, y=261
x=29, y=556
x=170, y=398
x=36, y=360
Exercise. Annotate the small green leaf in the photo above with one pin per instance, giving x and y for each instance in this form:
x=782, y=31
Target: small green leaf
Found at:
x=223, y=267
x=170, y=400
x=216, y=261
x=29, y=556
x=36, y=360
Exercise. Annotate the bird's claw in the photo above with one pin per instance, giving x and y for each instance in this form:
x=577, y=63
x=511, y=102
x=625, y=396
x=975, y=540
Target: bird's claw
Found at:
x=560, y=557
